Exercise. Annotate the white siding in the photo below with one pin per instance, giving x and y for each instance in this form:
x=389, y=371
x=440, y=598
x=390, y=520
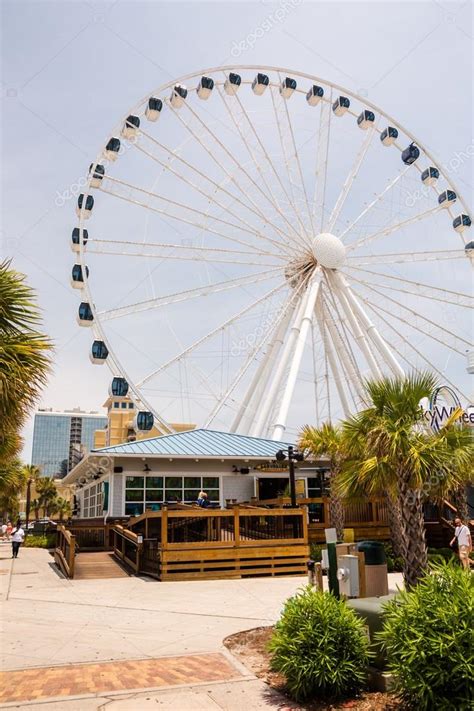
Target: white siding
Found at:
x=117, y=495
x=237, y=487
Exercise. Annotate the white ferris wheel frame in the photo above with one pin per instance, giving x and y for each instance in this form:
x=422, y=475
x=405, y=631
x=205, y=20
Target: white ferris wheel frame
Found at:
x=282, y=358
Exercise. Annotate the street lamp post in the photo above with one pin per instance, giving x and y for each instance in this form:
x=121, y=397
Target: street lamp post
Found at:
x=293, y=456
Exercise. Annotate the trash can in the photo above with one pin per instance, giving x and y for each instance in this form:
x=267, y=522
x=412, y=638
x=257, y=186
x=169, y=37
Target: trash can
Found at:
x=376, y=573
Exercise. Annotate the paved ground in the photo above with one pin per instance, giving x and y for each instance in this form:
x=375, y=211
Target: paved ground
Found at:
x=48, y=621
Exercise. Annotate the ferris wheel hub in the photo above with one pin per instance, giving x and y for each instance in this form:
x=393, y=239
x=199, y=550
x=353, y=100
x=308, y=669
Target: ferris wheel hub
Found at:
x=328, y=250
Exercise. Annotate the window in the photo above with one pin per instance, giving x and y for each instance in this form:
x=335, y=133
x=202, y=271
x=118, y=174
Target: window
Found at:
x=116, y=405
x=318, y=485
x=149, y=492
x=124, y=405
x=93, y=501
x=130, y=405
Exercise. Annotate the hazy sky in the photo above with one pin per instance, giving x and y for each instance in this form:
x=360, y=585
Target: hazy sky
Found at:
x=71, y=69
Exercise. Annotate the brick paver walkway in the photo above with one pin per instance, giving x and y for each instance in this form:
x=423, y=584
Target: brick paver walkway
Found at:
x=76, y=679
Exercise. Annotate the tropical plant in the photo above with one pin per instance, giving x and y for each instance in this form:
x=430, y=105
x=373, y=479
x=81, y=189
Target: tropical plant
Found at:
x=320, y=646
x=328, y=441
x=428, y=637
x=61, y=507
x=35, y=505
x=396, y=454
x=47, y=493
x=47, y=540
x=13, y=480
x=24, y=357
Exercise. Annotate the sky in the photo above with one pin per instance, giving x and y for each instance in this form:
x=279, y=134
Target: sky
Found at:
x=71, y=69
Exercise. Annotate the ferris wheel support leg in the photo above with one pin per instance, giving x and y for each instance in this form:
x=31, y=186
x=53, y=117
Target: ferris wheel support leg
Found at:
x=340, y=289
x=244, y=417
x=270, y=396
x=331, y=358
x=307, y=318
x=371, y=330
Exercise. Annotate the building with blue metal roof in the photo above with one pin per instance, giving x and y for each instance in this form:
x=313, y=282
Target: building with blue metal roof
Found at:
x=129, y=478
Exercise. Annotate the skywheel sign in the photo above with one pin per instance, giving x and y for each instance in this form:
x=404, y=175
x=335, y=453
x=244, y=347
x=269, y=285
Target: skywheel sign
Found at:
x=441, y=405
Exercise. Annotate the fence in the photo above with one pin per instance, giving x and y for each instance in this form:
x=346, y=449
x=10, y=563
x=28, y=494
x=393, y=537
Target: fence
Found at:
x=65, y=551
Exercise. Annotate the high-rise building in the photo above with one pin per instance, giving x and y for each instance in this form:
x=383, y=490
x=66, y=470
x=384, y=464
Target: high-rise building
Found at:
x=60, y=439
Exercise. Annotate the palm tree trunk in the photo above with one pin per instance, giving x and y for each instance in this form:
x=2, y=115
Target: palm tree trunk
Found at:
x=415, y=555
x=336, y=513
x=395, y=525
x=458, y=499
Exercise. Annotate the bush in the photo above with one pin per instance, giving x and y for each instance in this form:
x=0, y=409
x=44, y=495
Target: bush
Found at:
x=46, y=541
x=316, y=552
x=320, y=646
x=428, y=636
x=394, y=562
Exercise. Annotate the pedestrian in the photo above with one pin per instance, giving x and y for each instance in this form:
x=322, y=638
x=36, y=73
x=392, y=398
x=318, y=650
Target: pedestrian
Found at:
x=202, y=500
x=9, y=529
x=462, y=537
x=4, y=530
x=18, y=536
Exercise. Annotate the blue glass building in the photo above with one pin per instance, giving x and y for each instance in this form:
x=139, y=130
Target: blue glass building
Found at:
x=60, y=438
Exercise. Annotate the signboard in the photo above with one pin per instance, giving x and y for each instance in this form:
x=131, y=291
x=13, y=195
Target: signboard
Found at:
x=441, y=405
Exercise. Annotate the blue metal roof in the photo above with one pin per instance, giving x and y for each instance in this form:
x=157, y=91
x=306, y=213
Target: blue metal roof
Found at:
x=199, y=443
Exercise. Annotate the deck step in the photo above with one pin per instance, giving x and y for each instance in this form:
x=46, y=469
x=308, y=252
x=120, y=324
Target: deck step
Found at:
x=93, y=566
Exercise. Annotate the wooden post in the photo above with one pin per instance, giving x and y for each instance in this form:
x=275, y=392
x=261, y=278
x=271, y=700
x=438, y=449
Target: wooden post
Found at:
x=164, y=527
x=146, y=527
x=236, y=526
x=72, y=553
x=362, y=584
x=305, y=515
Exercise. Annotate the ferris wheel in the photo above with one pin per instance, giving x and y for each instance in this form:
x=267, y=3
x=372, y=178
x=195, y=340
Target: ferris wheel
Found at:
x=260, y=242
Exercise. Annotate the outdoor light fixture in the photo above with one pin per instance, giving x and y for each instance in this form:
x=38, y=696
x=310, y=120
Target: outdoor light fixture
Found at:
x=146, y=468
x=293, y=456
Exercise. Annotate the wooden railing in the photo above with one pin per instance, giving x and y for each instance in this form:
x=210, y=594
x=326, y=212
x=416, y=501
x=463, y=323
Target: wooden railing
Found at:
x=188, y=543
x=65, y=551
x=126, y=545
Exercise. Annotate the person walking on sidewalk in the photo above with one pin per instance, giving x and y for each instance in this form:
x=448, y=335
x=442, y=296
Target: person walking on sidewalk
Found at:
x=9, y=529
x=18, y=536
x=462, y=536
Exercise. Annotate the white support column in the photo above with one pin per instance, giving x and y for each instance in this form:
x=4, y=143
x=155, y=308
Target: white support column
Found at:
x=313, y=290
x=331, y=358
x=271, y=394
x=372, y=332
x=339, y=288
x=245, y=414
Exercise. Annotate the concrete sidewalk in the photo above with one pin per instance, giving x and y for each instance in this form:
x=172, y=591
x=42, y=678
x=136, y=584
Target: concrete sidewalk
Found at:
x=48, y=620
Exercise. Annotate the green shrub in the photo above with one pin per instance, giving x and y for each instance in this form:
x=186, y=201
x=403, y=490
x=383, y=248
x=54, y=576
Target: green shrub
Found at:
x=320, y=646
x=316, y=552
x=394, y=562
x=428, y=636
x=45, y=541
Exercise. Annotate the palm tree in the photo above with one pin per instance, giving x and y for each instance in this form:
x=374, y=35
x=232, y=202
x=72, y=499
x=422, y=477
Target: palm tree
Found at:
x=402, y=457
x=12, y=478
x=328, y=441
x=62, y=507
x=47, y=493
x=24, y=357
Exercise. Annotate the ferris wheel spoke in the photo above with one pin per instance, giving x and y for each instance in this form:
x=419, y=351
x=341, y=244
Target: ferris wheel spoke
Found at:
x=458, y=339
x=179, y=296
x=331, y=361
x=322, y=159
x=212, y=333
x=200, y=226
x=185, y=248
x=372, y=204
x=426, y=291
x=229, y=175
x=290, y=152
x=209, y=197
x=346, y=188
x=375, y=309
x=346, y=364
x=393, y=228
x=416, y=327
x=249, y=361
x=169, y=201
x=406, y=257
x=236, y=100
